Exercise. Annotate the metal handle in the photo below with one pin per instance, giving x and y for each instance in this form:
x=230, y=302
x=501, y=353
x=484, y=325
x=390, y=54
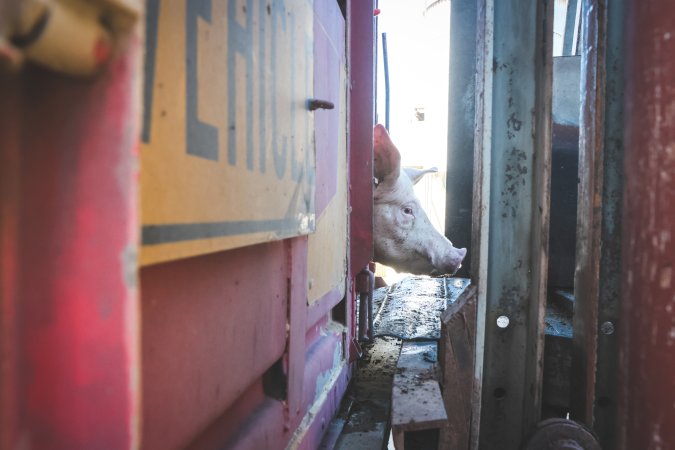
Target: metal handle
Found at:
x=314, y=104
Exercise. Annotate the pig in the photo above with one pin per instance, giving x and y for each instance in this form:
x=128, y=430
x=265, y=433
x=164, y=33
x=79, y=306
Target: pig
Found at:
x=404, y=238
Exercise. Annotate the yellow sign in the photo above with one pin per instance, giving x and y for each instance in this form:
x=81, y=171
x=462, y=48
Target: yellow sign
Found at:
x=227, y=157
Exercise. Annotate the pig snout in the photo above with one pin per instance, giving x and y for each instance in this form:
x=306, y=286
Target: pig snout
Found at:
x=448, y=262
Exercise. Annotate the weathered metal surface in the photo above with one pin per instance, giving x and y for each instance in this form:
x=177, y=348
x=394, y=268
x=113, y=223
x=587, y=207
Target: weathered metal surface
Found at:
x=328, y=247
x=481, y=194
x=360, y=50
x=69, y=377
x=325, y=381
x=589, y=210
x=203, y=307
x=610, y=291
x=517, y=140
x=647, y=317
x=228, y=152
x=461, y=119
x=456, y=352
x=257, y=366
x=365, y=286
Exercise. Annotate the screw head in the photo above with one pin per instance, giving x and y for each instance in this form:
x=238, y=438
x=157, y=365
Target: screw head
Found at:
x=607, y=328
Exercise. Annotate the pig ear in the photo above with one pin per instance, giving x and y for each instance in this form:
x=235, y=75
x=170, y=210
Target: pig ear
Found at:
x=416, y=175
x=387, y=159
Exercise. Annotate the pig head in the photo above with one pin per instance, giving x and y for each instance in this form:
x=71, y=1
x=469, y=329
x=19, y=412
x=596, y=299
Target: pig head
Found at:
x=404, y=238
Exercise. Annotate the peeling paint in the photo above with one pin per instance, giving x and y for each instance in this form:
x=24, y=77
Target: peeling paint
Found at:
x=324, y=378
x=129, y=261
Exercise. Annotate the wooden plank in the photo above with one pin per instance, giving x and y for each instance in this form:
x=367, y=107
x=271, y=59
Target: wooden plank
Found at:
x=456, y=359
x=417, y=403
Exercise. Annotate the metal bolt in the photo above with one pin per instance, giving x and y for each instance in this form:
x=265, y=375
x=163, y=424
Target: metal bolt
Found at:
x=503, y=321
x=607, y=328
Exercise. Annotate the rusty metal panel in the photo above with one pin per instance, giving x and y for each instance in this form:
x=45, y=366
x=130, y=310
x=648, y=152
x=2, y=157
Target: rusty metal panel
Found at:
x=360, y=50
x=68, y=287
x=647, y=318
x=228, y=147
x=589, y=211
x=514, y=151
x=461, y=119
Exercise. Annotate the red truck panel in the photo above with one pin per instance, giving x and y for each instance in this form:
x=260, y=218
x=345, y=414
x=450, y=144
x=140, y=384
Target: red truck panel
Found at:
x=70, y=357
x=647, y=357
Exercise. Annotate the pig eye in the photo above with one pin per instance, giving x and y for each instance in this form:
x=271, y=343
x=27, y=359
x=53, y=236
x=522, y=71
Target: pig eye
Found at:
x=408, y=210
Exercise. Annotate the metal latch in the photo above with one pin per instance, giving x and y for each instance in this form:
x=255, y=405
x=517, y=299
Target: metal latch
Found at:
x=73, y=37
x=365, y=287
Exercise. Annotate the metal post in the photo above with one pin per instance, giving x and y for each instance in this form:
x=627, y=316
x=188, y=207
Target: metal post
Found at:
x=607, y=365
x=589, y=211
x=647, y=318
x=513, y=153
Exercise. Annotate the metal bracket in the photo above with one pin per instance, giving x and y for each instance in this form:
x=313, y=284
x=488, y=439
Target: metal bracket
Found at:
x=365, y=286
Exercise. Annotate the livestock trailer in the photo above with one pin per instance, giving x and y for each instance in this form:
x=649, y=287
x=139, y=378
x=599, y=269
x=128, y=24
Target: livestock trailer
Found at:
x=186, y=224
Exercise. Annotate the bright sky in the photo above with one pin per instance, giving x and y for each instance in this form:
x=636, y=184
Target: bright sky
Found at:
x=418, y=47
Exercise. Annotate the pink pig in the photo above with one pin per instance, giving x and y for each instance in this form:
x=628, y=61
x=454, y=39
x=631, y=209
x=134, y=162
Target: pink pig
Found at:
x=404, y=237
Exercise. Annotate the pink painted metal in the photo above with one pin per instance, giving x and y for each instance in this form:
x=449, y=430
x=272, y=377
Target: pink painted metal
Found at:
x=232, y=356
x=647, y=356
x=210, y=328
x=361, y=120
x=69, y=331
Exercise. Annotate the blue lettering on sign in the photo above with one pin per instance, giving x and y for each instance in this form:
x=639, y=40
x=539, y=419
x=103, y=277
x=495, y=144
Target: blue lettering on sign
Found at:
x=151, y=20
x=279, y=158
x=239, y=41
x=201, y=138
x=262, y=11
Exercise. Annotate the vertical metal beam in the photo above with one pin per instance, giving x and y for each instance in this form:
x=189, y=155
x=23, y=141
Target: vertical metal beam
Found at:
x=461, y=120
x=481, y=195
x=361, y=38
x=570, y=28
x=647, y=327
x=607, y=364
x=589, y=210
x=519, y=146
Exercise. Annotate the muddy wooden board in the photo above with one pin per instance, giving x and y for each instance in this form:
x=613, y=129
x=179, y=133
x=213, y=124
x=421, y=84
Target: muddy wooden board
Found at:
x=417, y=403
